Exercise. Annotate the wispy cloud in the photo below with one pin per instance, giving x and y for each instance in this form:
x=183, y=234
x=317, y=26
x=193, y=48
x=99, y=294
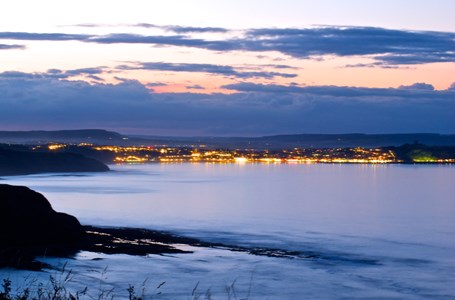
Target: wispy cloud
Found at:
x=164, y=40
x=183, y=29
x=203, y=68
x=414, y=91
x=155, y=84
x=386, y=46
x=170, y=28
x=195, y=87
x=378, y=64
x=11, y=47
x=55, y=74
x=31, y=36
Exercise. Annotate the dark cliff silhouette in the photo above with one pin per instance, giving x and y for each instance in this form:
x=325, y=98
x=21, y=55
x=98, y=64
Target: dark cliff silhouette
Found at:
x=30, y=229
x=25, y=162
x=29, y=226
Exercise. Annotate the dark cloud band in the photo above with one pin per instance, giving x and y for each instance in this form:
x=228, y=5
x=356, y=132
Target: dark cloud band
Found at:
x=252, y=110
x=389, y=47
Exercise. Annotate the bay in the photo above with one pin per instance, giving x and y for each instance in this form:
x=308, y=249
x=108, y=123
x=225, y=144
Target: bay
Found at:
x=376, y=231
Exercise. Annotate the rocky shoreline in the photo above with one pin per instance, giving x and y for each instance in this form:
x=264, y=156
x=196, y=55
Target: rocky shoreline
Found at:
x=31, y=229
x=130, y=241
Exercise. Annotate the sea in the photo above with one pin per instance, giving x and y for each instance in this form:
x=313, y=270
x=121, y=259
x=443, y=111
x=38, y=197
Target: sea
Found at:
x=332, y=231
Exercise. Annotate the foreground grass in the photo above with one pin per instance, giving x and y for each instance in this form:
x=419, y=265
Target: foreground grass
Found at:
x=57, y=288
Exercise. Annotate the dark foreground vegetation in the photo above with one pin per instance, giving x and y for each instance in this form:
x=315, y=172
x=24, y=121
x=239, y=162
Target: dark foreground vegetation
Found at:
x=58, y=288
x=419, y=153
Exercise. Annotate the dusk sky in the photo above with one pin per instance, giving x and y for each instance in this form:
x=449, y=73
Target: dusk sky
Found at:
x=228, y=68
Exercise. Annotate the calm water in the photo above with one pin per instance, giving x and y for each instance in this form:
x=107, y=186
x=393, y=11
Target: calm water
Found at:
x=376, y=231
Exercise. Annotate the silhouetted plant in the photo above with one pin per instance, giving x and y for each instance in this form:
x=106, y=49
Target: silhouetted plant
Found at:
x=57, y=289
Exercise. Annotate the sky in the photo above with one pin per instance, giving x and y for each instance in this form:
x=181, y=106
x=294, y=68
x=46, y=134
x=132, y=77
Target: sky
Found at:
x=228, y=68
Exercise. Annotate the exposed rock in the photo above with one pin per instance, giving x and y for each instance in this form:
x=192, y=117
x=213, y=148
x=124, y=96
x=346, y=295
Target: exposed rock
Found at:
x=29, y=226
x=132, y=241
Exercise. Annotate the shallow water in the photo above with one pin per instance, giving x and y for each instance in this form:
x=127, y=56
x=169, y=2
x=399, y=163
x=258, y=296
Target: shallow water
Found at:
x=363, y=231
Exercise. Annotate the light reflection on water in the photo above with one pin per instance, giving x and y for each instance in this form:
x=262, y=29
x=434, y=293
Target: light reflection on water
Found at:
x=381, y=231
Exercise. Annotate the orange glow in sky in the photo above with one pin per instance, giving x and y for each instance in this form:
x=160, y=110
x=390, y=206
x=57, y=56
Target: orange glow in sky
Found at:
x=270, y=53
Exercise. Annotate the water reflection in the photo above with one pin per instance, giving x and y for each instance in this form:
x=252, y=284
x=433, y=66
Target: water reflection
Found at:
x=376, y=231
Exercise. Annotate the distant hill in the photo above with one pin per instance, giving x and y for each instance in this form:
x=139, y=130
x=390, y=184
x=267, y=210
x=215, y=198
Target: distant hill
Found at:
x=23, y=162
x=76, y=136
x=308, y=141
x=353, y=140
x=103, y=137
